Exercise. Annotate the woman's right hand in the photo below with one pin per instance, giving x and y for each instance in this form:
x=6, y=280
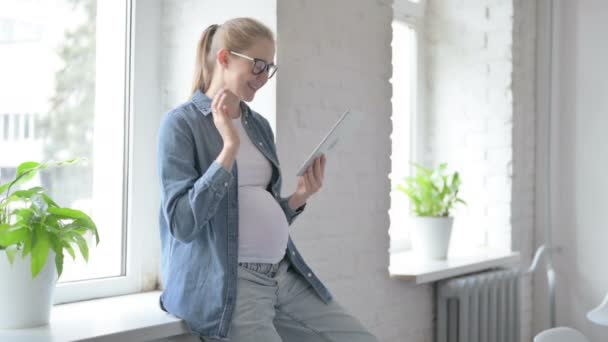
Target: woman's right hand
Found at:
x=222, y=119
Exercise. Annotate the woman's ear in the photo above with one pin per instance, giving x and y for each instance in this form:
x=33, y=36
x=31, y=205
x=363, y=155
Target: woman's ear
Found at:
x=222, y=57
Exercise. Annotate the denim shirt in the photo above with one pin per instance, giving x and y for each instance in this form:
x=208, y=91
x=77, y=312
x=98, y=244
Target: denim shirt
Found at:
x=199, y=216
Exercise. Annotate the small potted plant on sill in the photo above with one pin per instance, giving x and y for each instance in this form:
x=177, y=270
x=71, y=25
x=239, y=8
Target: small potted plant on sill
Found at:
x=432, y=194
x=34, y=232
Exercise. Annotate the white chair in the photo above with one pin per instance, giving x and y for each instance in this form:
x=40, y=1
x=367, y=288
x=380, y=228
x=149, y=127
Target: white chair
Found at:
x=560, y=334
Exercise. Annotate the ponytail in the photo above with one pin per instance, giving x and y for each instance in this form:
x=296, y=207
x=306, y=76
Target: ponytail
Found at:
x=203, y=68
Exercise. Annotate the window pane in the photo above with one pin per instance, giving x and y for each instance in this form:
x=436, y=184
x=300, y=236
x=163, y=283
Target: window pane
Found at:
x=63, y=82
x=26, y=126
x=6, y=174
x=5, y=128
x=403, y=81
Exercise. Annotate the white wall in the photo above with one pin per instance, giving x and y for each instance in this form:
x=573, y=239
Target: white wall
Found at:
x=523, y=188
x=579, y=164
x=481, y=120
x=470, y=112
x=334, y=55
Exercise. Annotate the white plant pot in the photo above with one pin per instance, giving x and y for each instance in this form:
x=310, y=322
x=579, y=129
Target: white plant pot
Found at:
x=25, y=302
x=431, y=236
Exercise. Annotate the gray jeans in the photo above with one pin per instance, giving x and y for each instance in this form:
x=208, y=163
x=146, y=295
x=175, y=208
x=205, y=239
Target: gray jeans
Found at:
x=275, y=304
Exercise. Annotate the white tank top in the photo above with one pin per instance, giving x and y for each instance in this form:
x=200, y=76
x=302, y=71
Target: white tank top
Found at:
x=263, y=227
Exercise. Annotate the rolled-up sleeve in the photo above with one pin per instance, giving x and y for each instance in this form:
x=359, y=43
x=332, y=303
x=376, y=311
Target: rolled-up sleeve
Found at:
x=188, y=200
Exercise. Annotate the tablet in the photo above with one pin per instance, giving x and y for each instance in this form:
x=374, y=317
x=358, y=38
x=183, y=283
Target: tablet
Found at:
x=339, y=131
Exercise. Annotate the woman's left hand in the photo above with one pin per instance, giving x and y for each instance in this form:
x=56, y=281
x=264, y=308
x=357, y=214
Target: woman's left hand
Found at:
x=312, y=180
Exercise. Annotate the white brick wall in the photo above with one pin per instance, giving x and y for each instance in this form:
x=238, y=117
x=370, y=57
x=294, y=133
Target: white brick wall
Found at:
x=333, y=55
x=470, y=110
x=481, y=78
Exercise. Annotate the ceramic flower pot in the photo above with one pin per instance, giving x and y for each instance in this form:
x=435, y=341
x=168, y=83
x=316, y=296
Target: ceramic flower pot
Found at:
x=26, y=302
x=431, y=236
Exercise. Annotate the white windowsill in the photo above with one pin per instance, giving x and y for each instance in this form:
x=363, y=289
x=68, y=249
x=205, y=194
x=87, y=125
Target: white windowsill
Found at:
x=408, y=266
x=138, y=317
x=132, y=318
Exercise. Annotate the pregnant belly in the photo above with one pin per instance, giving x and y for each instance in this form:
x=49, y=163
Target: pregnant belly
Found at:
x=263, y=228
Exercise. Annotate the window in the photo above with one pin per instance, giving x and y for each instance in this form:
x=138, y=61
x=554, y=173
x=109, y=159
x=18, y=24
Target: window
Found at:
x=66, y=72
x=7, y=173
x=406, y=47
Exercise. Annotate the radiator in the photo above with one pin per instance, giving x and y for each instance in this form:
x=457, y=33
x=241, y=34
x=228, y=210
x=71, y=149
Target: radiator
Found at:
x=482, y=307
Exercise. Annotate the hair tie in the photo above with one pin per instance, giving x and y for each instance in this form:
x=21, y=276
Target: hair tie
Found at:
x=212, y=28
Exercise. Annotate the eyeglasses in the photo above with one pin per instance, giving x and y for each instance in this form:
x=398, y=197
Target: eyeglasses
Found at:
x=259, y=65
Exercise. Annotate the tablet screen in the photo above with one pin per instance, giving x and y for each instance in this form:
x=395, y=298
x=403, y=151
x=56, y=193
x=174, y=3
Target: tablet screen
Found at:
x=340, y=131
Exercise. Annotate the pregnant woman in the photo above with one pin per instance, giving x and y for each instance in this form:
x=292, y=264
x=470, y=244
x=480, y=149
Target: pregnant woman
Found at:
x=229, y=267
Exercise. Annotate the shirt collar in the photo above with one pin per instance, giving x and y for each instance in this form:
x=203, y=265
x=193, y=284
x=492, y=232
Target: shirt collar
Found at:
x=203, y=103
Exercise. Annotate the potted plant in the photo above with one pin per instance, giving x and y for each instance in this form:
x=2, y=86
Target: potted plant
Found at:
x=34, y=232
x=432, y=194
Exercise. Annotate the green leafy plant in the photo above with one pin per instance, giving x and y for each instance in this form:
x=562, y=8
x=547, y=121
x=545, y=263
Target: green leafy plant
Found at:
x=32, y=223
x=432, y=193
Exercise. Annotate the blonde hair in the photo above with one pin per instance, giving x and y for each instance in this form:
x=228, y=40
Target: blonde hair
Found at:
x=236, y=34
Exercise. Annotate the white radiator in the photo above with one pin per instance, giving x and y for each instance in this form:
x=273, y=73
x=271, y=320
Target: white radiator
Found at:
x=482, y=307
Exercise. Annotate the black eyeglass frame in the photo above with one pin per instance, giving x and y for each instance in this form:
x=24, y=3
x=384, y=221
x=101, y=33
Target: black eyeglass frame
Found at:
x=269, y=68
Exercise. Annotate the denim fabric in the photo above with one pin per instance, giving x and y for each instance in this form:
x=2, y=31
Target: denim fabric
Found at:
x=275, y=304
x=199, y=217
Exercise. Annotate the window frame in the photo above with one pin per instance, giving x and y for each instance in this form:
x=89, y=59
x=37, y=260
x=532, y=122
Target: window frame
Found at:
x=141, y=248
x=413, y=15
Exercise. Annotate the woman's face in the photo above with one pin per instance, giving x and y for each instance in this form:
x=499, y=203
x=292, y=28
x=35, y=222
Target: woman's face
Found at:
x=238, y=75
